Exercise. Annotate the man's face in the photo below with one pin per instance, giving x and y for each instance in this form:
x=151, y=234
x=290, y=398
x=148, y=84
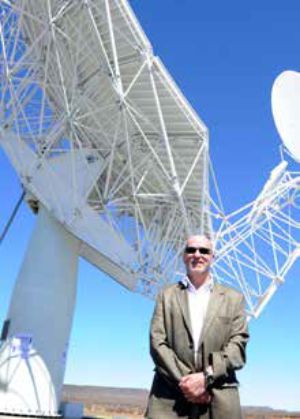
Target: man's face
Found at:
x=198, y=254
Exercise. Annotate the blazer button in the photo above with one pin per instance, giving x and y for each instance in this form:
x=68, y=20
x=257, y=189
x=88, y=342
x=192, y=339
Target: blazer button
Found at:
x=191, y=346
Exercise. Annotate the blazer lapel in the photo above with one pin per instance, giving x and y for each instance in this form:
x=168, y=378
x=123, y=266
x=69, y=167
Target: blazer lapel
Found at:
x=182, y=298
x=215, y=301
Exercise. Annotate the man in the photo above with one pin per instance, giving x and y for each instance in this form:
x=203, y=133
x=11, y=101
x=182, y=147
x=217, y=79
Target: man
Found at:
x=197, y=341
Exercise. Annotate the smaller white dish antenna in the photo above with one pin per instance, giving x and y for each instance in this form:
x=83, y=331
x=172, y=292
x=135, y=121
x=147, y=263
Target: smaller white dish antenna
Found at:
x=285, y=100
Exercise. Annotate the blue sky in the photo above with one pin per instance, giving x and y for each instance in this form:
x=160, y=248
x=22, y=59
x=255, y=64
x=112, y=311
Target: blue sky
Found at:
x=225, y=57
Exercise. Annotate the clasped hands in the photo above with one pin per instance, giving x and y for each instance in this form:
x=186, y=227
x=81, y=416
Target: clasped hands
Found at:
x=193, y=388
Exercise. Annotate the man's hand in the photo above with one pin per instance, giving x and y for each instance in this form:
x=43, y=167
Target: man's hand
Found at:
x=193, y=387
x=205, y=398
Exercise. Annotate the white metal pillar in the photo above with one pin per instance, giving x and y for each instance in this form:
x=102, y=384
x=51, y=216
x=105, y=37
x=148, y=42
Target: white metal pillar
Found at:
x=33, y=354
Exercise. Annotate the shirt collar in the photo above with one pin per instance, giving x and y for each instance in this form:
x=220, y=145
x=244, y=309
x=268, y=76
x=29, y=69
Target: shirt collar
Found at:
x=207, y=286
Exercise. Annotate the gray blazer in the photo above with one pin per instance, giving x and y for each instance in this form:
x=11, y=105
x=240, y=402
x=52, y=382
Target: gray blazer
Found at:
x=223, y=342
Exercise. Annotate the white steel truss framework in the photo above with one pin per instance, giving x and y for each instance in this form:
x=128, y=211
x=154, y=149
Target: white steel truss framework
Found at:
x=258, y=244
x=81, y=88
x=101, y=135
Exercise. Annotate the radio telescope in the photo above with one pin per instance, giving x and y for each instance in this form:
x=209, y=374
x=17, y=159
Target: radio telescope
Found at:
x=112, y=157
x=258, y=244
x=115, y=162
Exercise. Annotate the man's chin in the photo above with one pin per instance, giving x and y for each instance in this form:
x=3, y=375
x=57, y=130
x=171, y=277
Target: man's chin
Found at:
x=199, y=270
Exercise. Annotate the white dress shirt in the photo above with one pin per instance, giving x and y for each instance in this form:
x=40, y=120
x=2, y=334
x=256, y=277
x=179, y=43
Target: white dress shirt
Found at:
x=198, y=299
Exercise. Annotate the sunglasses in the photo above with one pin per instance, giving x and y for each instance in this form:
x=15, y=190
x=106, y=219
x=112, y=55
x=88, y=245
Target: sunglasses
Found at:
x=203, y=250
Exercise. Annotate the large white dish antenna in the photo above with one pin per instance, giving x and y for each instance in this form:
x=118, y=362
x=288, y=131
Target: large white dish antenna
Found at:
x=100, y=134
x=108, y=149
x=286, y=110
